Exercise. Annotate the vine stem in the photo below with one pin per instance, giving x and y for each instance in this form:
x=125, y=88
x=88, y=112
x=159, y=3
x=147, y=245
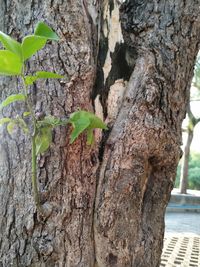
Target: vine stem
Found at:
x=36, y=193
x=34, y=174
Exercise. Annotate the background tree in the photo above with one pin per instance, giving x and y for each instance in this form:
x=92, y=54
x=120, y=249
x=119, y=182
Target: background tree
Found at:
x=192, y=122
x=106, y=203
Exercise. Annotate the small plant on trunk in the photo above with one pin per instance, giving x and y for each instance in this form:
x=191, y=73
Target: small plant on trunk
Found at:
x=13, y=60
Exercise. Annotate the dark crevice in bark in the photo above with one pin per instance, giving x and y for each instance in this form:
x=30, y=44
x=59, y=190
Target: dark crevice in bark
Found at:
x=102, y=53
x=123, y=62
x=149, y=123
x=122, y=65
x=111, y=5
x=121, y=68
x=105, y=136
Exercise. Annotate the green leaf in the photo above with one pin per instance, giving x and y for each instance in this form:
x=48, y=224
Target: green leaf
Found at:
x=96, y=122
x=51, y=121
x=79, y=124
x=84, y=120
x=10, y=127
x=90, y=137
x=29, y=80
x=5, y=120
x=10, y=64
x=12, y=98
x=11, y=44
x=43, y=140
x=26, y=113
x=22, y=124
x=44, y=30
x=46, y=75
x=31, y=44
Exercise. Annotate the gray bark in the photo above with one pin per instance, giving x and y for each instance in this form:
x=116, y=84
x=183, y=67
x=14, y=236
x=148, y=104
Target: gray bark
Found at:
x=143, y=148
x=106, y=202
x=67, y=173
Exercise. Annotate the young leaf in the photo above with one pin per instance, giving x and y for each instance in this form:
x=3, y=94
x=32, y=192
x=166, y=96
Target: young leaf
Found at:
x=84, y=120
x=51, y=121
x=46, y=75
x=90, y=137
x=10, y=127
x=43, y=140
x=45, y=31
x=21, y=123
x=31, y=44
x=29, y=80
x=80, y=123
x=95, y=122
x=5, y=120
x=26, y=113
x=12, y=98
x=10, y=44
x=10, y=64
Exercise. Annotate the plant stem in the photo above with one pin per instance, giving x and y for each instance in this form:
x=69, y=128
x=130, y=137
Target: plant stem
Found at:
x=34, y=174
x=36, y=193
x=27, y=100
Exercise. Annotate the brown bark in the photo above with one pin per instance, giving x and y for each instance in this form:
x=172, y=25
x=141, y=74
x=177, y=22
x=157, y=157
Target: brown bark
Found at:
x=107, y=213
x=67, y=173
x=143, y=149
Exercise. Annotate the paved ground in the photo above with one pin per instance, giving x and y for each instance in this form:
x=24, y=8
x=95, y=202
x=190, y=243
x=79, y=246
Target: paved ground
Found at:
x=182, y=240
x=181, y=251
x=182, y=223
x=189, y=192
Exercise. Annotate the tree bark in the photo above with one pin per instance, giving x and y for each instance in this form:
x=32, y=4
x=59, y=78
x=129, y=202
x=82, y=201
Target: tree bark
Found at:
x=107, y=202
x=67, y=173
x=143, y=148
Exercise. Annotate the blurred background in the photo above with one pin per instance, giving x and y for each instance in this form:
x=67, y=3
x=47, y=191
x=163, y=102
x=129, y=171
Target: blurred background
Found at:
x=188, y=172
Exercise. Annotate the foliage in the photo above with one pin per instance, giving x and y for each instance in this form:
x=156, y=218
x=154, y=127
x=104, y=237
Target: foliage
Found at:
x=193, y=172
x=13, y=62
x=196, y=78
x=85, y=121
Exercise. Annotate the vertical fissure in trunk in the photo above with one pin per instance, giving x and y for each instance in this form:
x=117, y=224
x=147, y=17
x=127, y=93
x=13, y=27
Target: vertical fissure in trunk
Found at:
x=141, y=91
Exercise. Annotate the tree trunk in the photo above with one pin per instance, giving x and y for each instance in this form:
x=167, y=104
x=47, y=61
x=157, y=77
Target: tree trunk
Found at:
x=185, y=163
x=67, y=173
x=106, y=202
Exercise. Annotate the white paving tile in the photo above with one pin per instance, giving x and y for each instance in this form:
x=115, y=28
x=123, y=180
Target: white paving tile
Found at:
x=181, y=250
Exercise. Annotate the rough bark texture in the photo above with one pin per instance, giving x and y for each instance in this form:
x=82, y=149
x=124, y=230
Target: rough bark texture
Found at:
x=109, y=213
x=143, y=148
x=67, y=172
